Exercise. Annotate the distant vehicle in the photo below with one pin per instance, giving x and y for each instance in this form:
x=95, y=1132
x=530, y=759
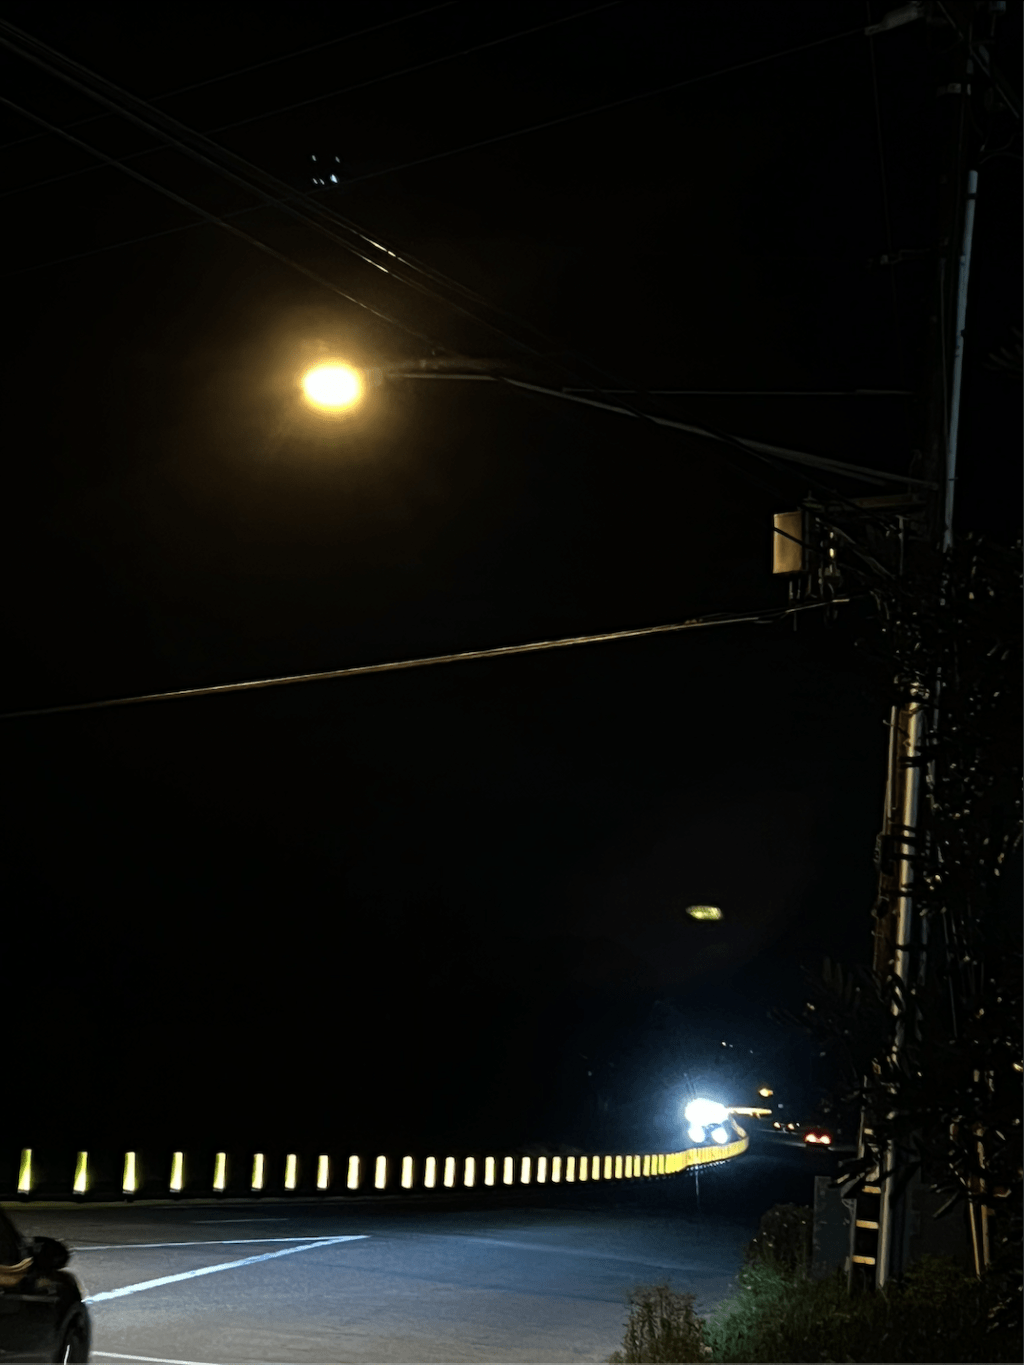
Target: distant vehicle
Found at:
x=819, y=1137
x=42, y=1316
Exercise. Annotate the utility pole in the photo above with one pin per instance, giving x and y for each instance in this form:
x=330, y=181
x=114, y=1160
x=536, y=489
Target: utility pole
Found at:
x=891, y=535
x=882, y=1222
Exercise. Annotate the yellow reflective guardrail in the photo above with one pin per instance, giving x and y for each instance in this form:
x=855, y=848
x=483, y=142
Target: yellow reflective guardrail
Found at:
x=382, y=1172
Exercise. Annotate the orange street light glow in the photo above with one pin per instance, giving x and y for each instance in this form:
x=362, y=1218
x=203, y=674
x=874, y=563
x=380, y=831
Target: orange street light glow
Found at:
x=332, y=387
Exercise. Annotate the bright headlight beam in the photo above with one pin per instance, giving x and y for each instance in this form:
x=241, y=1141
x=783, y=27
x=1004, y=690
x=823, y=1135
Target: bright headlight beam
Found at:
x=332, y=387
x=719, y=1135
x=695, y=1134
x=705, y=1112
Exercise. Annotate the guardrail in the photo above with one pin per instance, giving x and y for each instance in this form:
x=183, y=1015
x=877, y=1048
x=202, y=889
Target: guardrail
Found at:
x=147, y=1174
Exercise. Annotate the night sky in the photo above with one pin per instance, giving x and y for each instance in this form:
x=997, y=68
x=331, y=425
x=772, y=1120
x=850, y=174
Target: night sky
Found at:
x=449, y=902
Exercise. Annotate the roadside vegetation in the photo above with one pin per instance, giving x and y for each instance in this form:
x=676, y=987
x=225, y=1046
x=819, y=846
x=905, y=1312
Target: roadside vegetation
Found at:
x=779, y=1313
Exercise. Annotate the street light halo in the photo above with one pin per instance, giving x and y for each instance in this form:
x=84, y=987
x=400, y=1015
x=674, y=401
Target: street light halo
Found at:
x=332, y=386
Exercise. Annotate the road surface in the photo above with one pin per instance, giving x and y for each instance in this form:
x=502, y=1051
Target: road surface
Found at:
x=337, y=1282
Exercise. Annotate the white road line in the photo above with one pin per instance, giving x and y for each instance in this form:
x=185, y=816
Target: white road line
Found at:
x=203, y=1242
x=212, y=1269
x=156, y=1360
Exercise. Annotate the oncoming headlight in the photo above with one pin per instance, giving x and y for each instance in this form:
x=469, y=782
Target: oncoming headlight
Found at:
x=705, y=1112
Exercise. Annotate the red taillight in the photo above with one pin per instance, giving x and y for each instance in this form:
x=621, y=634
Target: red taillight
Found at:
x=824, y=1138
x=810, y=1138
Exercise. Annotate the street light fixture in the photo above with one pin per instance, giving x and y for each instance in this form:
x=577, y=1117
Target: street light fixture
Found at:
x=332, y=387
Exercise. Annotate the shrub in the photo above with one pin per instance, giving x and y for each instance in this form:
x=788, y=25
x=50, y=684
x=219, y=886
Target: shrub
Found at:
x=937, y=1313
x=662, y=1326
x=784, y=1239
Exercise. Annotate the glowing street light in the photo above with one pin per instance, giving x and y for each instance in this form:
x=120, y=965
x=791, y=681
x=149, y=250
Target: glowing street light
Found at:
x=332, y=387
x=704, y=912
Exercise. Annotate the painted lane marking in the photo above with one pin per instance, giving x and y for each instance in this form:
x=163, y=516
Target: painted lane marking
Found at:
x=156, y=1360
x=212, y=1269
x=204, y=1242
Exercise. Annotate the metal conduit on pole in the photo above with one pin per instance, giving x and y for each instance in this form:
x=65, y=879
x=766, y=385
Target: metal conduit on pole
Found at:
x=907, y=775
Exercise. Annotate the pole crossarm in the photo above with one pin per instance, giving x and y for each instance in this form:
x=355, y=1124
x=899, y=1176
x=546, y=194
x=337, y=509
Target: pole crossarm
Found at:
x=721, y=619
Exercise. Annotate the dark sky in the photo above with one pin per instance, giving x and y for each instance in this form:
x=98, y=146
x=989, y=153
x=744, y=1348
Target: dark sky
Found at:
x=438, y=898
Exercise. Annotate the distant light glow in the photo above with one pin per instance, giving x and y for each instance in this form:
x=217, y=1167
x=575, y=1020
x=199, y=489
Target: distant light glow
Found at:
x=332, y=387
x=704, y=912
x=705, y=1112
x=719, y=1135
x=695, y=1134
x=765, y=1091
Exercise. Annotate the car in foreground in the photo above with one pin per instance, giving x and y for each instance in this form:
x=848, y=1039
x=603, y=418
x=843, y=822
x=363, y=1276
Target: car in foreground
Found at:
x=42, y=1316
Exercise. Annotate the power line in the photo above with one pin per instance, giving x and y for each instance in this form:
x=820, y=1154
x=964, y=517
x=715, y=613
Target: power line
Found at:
x=118, y=246
x=421, y=66
x=600, y=108
x=720, y=619
x=244, y=70
x=360, y=85
x=273, y=192
x=404, y=258
x=286, y=193
x=760, y=450
x=763, y=393
x=171, y=137
x=220, y=222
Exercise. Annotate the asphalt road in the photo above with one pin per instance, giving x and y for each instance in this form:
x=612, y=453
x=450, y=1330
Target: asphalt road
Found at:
x=331, y=1282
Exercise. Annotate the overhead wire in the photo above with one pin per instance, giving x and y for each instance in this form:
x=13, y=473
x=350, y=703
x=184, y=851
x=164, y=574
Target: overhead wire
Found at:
x=219, y=221
x=359, y=85
x=721, y=618
x=725, y=439
x=420, y=66
x=405, y=257
x=272, y=192
x=256, y=66
x=611, y=104
x=738, y=444
x=279, y=202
